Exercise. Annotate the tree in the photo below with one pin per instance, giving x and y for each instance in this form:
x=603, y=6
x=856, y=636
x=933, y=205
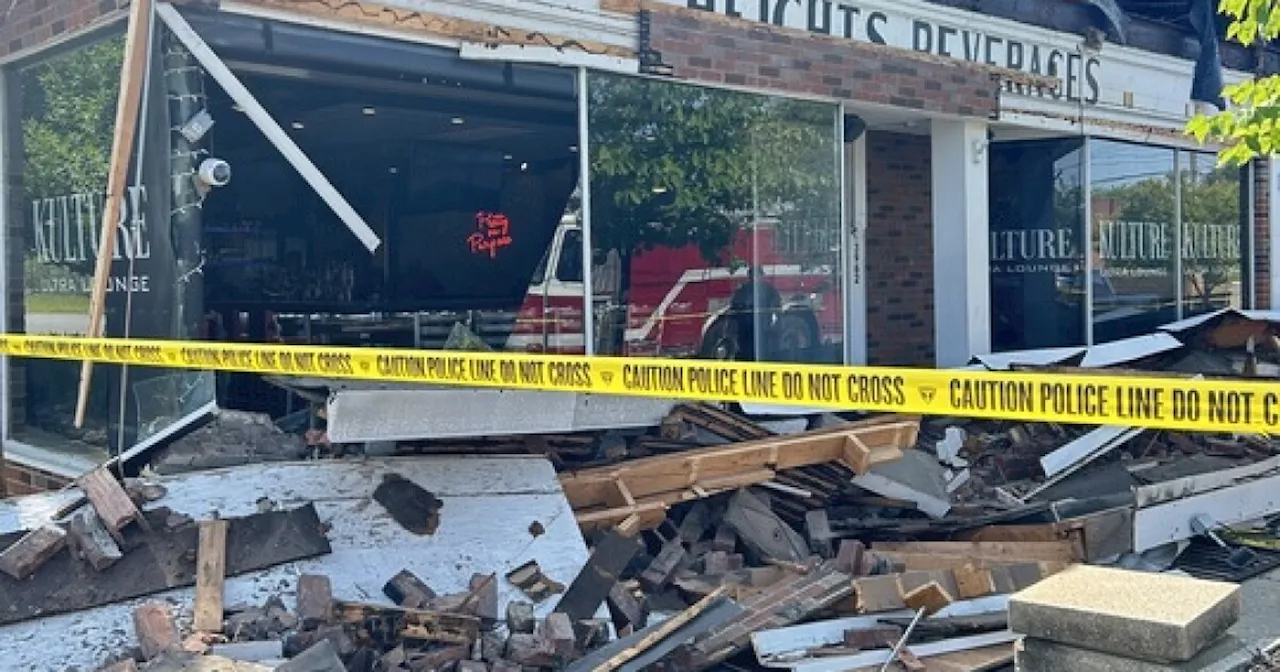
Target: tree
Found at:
x=68, y=117
x=1250, y=126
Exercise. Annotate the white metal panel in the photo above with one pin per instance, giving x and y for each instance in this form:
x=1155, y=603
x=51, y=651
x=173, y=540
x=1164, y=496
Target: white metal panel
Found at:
x=1171, y=521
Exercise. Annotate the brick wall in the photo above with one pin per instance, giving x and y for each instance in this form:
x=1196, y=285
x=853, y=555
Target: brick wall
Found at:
x=22, y=480
x=27, y=24
x=1262, y=235
x=899, y=250
x=706, y=47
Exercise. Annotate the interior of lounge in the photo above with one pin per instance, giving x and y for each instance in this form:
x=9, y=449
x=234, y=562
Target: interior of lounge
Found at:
x=463, y=174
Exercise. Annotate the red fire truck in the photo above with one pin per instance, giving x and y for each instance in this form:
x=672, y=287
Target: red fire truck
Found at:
x=680, y=305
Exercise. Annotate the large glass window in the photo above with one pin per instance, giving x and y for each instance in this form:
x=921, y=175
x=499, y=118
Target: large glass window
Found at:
x=1134, y=228
x=66, y=111
x=1166, y=232
x=715, y=222
x=1037, y=244
x=1212, y=253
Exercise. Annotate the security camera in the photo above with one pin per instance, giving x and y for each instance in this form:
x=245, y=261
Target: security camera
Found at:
x=214, y=172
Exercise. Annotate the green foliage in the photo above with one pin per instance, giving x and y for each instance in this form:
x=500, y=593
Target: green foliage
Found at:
x=68, y=118
x=1250, y=126
x=674, y=164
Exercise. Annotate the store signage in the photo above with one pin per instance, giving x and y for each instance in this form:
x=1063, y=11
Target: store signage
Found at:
x=973, y=41
x=1136, y=244
x=493, y=232
x=66, y=232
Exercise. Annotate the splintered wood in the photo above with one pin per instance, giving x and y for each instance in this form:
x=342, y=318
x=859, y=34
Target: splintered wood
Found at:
x=647, y=487
x=410, y=624
x=211, y=569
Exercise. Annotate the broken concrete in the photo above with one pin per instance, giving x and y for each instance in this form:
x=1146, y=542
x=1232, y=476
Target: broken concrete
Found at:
x=1153, y=617
x=229, y=439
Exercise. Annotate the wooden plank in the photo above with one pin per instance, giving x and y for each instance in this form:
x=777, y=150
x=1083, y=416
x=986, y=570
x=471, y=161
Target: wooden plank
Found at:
x=159, y=560
x=662, y=631
x=885, y=436
x=926, y=562
x=33, y=550
x=1052, y=551
x=133, y=71
x=592, y=585
x=211, y=568
x=415, y=624
x=110, y=501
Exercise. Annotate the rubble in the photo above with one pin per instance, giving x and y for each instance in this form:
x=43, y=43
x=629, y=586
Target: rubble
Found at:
x=811, y=543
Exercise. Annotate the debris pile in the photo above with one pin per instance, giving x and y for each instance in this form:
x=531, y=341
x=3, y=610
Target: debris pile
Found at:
x=812, y=543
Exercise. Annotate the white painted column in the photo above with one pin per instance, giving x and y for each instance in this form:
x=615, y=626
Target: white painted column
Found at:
x=855, y=179
x=1273, y=221
x=961, y=253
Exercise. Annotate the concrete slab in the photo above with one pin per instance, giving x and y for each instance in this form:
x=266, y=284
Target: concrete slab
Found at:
x=1228, y=654
x=489, y=504
x=1153, y=617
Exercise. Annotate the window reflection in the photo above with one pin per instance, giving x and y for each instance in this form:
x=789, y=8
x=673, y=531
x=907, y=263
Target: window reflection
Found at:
x=1037, y=244
x=1211, y=234
x=1134, y=237
x=720, y=212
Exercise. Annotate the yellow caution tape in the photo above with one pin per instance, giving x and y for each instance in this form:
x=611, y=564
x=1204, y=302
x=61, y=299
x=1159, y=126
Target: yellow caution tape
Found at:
x=1158, y=403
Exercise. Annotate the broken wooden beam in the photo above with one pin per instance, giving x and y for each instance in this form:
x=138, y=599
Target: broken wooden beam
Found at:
x=211, y=573
x=592, y=585
x=412, y=624
x=34, y=549
x=530, y=579
x=603, y=496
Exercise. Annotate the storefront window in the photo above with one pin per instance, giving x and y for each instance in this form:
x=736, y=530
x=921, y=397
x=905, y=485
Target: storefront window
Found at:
x=1211, y=234
x=715, y=218
x=1134, y=231
x=66, y=106
x=1037, y=244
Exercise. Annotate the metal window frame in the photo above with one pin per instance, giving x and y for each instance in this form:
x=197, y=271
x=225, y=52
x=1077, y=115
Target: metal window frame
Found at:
x=1086, y=155
x=588, y=249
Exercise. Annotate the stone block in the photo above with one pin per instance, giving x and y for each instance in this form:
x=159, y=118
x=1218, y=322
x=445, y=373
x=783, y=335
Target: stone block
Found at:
x=1153, y=617
x=1227, y=654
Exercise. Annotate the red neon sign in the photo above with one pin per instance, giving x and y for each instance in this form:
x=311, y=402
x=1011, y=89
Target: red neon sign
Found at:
x=493, y=232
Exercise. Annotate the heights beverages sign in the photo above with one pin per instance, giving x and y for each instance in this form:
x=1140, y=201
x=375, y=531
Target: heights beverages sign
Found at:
x=975, y=40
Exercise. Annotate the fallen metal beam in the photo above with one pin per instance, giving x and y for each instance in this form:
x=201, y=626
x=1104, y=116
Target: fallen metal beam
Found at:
x=256, y=113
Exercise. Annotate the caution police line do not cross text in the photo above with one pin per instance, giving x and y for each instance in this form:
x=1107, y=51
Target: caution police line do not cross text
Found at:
x=1159, y=403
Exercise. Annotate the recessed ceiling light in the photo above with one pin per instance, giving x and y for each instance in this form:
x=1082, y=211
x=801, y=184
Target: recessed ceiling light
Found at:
x=369, y=111
x=659, y=190
x=573, y=148
x=458, y=121
x=297, y=125
x=393, y=170
x=506, y=157
x=524, y=166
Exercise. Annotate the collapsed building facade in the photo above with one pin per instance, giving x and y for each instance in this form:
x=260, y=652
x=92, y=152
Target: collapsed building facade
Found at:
x=909, y=183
